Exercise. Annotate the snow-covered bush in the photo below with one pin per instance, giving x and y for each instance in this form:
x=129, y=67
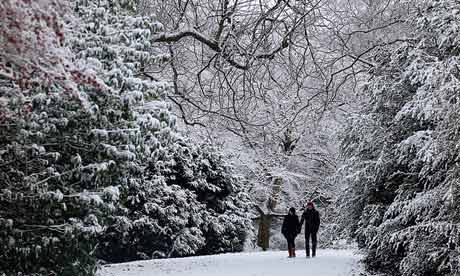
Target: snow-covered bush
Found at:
x=188, y=203
x=180, y=199
x=89, y=150
x=52, y=176
x=58, y=184
x=403, y=150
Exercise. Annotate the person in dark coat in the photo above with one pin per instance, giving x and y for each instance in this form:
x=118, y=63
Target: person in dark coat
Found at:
x=290, y=230
x=311, y=218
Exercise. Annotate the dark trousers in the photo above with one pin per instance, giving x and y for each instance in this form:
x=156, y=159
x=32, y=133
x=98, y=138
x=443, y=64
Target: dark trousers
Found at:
x=314, y=242
x=291, y=243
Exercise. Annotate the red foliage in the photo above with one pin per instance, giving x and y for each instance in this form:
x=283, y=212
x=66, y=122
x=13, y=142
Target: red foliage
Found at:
x=32, y=51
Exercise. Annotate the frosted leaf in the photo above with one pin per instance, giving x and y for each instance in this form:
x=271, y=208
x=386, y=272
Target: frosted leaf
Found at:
x=112, y=192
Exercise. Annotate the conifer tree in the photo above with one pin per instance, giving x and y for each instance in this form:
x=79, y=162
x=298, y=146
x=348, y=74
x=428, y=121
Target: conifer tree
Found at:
x=403, y=150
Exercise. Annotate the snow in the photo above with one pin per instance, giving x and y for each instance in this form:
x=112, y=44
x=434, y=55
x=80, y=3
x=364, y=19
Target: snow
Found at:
x=276, y=263
x=112, y=192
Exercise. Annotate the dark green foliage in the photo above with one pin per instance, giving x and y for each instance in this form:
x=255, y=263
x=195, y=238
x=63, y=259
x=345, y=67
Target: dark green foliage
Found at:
x=403, y=150
x=52, y=200
x=188, y=204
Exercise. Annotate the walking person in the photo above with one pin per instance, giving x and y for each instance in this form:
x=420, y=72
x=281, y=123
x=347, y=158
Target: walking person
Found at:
x=290, y=230
x=311, y=218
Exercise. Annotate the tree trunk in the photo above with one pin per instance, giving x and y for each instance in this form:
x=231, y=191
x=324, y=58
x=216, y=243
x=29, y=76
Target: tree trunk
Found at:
x=263, y=235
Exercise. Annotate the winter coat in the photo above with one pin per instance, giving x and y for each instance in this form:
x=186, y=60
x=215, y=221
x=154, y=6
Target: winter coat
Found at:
x=291, y=226
x=312, y=221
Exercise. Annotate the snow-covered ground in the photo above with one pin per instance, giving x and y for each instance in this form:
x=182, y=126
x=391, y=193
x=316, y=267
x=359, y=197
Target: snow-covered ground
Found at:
x=272, y=263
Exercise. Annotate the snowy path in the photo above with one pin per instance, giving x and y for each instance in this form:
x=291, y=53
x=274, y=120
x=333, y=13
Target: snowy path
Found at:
x=273, y=263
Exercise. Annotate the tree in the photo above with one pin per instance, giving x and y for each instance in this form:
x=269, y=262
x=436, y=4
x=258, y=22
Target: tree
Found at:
x=401, y=150
x=272, y=103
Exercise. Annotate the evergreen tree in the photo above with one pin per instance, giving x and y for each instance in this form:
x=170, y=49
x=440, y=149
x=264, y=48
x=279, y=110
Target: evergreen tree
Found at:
x=403, y=150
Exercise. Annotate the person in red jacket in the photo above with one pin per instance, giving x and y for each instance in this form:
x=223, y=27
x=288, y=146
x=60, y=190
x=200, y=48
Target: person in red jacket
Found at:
x=290, y=230
x=311, y=218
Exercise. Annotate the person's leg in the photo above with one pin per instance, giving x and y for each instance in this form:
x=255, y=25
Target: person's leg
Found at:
x=293, y=247
x=307, y=243
x=314, y=242
x=289, y=247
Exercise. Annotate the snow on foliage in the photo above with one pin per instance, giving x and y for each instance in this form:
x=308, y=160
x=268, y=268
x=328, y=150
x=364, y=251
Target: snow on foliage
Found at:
x=106, y=167
x=403, y=151
x=33, y=52
x=188, y=203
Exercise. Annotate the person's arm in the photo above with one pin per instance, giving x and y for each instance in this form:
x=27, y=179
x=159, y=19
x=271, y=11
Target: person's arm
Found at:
x=318, y=221
x=301, y=222
x=283, y=228
x=297, y=224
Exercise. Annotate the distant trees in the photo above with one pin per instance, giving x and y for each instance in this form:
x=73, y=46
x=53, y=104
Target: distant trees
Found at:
x=272, y=80
x=402, y=150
